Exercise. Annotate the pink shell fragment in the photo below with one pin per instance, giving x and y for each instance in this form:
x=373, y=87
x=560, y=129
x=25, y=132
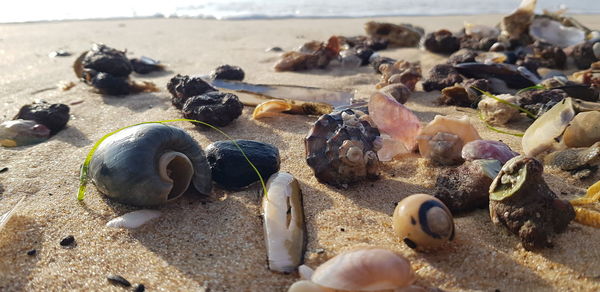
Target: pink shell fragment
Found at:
x=394, y=119
x=487, y=149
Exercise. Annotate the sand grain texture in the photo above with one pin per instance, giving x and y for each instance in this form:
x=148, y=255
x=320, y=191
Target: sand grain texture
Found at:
x=219, y=245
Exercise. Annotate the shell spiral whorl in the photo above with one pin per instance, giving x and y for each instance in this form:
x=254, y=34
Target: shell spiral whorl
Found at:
x=149, y=164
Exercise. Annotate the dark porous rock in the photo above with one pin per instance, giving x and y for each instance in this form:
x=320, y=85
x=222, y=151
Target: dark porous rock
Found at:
x=139, y=288
x=464, y=94
x=521, y=201
x=377, y=61
x=477, y=43
x=364, y=53
x=441, y=41
x=583, y=54
x=107, y=83
x=67, y=241
x=183, y=87
x=103, y=58
x=32, y=252
x=54, y=116
x=466, y=187
x=228, y=72
x=118, y=280
x=462, y=56
x=550, y=56
x=231, y=170
x=145, y=65
x=440, y=77
x=541, y=100
x=215, y=108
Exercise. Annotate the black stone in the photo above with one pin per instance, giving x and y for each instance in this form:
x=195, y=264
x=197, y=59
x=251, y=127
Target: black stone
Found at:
x=106, y=59
x=140, y=288
x=31, y=252
x=228, y=72
x=410, y=243
x=215, y=108
x=4, y=169
x=231, y=170
x=183, y=87
x=67, y=241
x=145, y=65
x=118, y=280
x=107, y=83
x=54, y=116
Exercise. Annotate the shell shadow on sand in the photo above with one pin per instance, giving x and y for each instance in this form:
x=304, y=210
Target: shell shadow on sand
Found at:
x=138, y=102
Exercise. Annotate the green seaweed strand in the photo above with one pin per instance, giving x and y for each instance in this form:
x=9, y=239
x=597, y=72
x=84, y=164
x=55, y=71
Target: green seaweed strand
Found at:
x=531, y=88
x=528, y=113
x=83, y=177
x=496, y=129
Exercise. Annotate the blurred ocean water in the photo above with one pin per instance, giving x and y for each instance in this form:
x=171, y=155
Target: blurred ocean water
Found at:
x=37, y=10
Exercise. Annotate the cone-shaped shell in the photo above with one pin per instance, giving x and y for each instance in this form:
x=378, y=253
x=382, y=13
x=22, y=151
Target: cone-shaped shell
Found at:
x=149, y=164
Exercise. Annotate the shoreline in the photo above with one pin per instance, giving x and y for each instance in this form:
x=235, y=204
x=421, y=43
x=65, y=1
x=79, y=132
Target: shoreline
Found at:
x=218, y=245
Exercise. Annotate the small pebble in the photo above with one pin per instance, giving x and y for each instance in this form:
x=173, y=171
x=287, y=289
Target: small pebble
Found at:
x=118, y=280
x=59, y=53
x=32, y=252
x=274, y=49
x=5, y=169
x=140, y=288
x=319, y=251
x=69, y=240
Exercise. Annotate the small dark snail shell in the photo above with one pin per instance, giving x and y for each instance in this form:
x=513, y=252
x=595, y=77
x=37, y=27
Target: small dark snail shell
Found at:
x=149, y=164
x=423, y=222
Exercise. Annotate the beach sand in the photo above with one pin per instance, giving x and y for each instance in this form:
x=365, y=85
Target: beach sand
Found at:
x=218, y=244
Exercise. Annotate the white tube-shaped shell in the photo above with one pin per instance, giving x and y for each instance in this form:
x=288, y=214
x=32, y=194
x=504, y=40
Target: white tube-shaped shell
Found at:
x=283, y=223
x=366, y=269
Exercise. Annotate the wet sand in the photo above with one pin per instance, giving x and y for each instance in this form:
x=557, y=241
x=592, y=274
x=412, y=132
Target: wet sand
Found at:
x=218, y=244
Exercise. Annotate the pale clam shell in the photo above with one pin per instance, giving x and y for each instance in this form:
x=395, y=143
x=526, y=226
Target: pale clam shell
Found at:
x=366, y=269
x=544, y=134
x=133, y=219
x=553, y=32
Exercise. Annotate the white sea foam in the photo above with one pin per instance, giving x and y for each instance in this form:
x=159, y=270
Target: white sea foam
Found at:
x=35, y=10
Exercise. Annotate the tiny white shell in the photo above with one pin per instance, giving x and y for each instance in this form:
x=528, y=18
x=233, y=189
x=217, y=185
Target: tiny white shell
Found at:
x=6, y=216
x=133, y=219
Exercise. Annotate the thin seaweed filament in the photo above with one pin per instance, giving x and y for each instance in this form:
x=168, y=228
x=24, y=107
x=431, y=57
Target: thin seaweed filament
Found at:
x=83, y=177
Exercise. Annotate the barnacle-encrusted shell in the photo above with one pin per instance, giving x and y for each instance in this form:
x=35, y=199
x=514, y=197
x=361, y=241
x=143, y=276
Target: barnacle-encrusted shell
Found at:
x=423, y=222
x=446, y=148
x=341, y=148
x=366, y=269
x=149, y=164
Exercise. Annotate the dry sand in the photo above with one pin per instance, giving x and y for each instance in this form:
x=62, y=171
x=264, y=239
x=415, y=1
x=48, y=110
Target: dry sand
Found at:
x=219, y=245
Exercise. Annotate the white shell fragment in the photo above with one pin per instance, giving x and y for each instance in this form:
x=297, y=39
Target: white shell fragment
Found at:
x=366, y=269
x=6, y=216
x=283, y=223
x=545, y=132
x=133, y=219
x=553, y=32
x=498, y=113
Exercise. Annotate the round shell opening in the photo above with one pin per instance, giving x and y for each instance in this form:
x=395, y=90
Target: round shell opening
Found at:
x=175, y=168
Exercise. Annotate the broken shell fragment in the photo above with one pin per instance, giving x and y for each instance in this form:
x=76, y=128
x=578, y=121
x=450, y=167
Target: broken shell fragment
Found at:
x=22, y=132
x=545, y=132
x=341, y=148
x=460, y=129
x=423, y=222
x=149, y=165
x=496, y=112
x=283, y=223
x=487, y=149
x=394, y=119
x=580, y=161
x=553, y=32
x=133, y=219
x=5, y=218
x=397, y=35
x=517, y=23
x=366, y=269
x=273, y=108
x=521, y=201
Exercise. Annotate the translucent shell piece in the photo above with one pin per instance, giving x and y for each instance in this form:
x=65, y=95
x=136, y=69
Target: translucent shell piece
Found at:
x=22, y=132
x=283, y=223
x=423, y=222
x=366, y=269
x=553, y=32
x=394, y=119
x=460, y=127
x=544, y=134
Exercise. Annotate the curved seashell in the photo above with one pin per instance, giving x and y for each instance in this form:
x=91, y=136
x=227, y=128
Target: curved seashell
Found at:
x=270, y=108
x=423, y=222
x=307, y=286
x=460, y=127
x=553, y=32
x=283, y=223
x=22, y=132
x=487, y=149
x=133, y=219
x=516, y=23
x=514, y=76
x=394, y=119
x=4, y=218
x=366, y=269
x=544, y=134
x=149, y=164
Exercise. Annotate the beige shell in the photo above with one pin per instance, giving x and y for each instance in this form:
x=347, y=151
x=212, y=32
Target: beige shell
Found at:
x=498, y=113
x=271, y=108
x=583, y=131
x=460, y=127
x=365, y=269
x=423, y=222
x=546, y=131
